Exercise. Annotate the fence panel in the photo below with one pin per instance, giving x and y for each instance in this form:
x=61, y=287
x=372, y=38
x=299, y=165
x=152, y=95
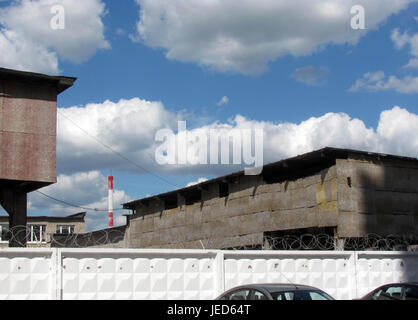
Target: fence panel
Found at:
x=331, y=272
x=374, y=269
x=28, y=274
x=127, y=274
x=71, y=274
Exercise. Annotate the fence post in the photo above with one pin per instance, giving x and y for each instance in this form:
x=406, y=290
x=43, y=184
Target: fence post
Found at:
x=53, y=274
x=354, y=276
x=59, y=275
x=219, y=270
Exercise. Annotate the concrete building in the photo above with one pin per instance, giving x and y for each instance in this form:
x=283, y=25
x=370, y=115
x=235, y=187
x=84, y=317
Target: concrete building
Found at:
x=28, y=124
x=346, y=194
x=41, y=230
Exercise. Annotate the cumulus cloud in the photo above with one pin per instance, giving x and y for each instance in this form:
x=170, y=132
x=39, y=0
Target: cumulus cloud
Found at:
x=17, y=53
x=127, y=126
x=28, y=42
x=311, y=75
x=130, y=126
x=378, y=81
x=244, y=36
x=84, y=189
x=397, y=131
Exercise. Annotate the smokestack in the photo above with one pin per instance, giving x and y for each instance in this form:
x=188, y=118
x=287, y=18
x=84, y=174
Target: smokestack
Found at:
x=110, y=201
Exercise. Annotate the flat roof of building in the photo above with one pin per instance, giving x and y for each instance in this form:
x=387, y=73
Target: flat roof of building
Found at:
x=62, y=83
x=78, y=217
x=285, y=169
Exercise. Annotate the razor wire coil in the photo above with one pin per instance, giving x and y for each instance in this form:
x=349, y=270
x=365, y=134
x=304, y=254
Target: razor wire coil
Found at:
x=22, y=235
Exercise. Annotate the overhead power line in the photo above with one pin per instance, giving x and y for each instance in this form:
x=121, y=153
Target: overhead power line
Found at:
x=116, y=152
x=74, y=205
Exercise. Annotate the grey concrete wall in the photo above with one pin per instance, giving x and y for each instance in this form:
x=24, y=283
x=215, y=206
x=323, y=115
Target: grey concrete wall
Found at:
x=252, y=207
x=382, y=198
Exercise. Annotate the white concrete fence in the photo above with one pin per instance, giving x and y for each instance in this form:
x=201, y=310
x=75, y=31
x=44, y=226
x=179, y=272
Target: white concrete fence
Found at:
x=56, y=274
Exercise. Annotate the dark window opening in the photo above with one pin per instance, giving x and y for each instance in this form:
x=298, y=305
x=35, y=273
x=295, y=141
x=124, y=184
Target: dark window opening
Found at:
x=293, y=170
x=223, y=189
x=4, y=233
x=170, y=203
x=64, y=229
x=193, y=197
x=36, y=233
x=245, y=247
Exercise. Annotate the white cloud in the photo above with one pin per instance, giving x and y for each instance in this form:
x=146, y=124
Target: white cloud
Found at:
x=413, y=63
x=244, y=36
x=200, y=180
x=17, y=53
x=28, y=42
x=224, y=100
x=129, y=126
x=402, y=39
x=311, y=75
x=397, y=129
x=377, y=81
x=85, y=189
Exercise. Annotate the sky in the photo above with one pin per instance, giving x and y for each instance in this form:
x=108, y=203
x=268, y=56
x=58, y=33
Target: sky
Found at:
x=307, y=73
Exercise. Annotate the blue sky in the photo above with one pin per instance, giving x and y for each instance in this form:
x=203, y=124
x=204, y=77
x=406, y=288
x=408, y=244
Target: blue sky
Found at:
x=173, y=60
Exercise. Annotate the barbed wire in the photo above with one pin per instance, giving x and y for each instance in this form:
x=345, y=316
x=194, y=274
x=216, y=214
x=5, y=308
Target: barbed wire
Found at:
x=327, y=242
x=308, y=241
x=115, y=237
x=101, y=238
x=22, y=236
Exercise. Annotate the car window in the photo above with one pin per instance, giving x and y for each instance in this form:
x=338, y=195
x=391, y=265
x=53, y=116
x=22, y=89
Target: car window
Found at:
x=411, y=293
x=318, y=296
x=391, y=293
x=283, y=296
x=376, y=295
x=258, y=295
x=300, y=295
x=243, y=294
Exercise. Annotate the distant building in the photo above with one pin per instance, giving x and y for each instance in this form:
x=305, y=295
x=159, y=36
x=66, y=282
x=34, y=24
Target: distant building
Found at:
x=345, y=194
x=40, y=230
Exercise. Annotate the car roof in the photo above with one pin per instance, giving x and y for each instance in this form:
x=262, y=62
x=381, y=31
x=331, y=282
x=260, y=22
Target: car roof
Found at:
x=400, y=283
x=275, y=287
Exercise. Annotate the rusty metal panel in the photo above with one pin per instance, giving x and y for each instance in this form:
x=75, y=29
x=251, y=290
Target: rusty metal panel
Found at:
x=28, y=132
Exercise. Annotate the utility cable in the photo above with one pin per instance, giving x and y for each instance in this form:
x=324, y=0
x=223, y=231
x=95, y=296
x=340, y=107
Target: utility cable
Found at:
x=116, y=152
x=74, y=205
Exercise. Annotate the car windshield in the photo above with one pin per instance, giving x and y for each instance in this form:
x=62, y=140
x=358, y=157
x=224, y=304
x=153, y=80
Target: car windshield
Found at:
x=301, y=295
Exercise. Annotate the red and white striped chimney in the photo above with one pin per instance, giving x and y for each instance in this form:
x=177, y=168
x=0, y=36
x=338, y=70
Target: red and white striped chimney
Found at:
x=110, y=201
